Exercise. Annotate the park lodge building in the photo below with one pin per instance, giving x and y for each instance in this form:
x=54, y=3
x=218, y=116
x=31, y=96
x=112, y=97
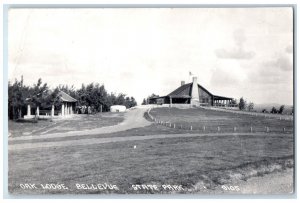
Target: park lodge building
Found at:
x=192, y=95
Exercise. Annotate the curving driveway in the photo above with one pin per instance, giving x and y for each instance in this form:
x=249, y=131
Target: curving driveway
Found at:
x=134, y=118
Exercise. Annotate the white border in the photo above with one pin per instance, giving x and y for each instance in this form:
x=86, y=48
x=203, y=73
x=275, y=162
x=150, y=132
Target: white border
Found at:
x=157, y=2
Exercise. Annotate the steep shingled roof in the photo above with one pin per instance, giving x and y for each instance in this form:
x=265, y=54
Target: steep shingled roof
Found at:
x=185, y=91
x=181, y=89
x=65, y=97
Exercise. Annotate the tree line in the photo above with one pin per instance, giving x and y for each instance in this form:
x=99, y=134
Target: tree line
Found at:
x=244, y=105
x=92, y=95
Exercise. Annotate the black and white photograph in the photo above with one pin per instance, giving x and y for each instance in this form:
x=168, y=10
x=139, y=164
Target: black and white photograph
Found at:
x=151, y=100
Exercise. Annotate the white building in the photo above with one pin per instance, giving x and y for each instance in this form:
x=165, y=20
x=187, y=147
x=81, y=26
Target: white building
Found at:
x=117, y=108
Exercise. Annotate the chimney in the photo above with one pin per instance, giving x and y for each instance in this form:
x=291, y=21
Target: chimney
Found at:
x=195, y=80
x=182, y=82
x=195, y=93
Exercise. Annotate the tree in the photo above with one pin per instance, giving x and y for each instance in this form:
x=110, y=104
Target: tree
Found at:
x=233, y=102
x=144, y=102
x=17, y=94
x=281, y=108
x=250, y=106
x=264, y=111
x=150, y=97
x=132, y=102
x=39, y=94
x=274, y=110
x=242, y=104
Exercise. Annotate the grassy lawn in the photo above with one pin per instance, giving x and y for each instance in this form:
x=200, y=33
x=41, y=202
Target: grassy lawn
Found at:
x=75, y=123
x=200, y=164
x=226, y=121
x=209, y=161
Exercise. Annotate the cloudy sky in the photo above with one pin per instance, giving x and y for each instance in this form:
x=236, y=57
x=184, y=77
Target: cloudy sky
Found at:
x=234, y=52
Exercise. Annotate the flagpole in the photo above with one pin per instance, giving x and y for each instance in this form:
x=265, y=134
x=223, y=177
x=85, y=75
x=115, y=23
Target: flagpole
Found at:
x=190, y=74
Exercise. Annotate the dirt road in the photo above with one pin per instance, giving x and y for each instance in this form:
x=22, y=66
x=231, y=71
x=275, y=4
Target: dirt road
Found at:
x=134, y=118
x=90, y=141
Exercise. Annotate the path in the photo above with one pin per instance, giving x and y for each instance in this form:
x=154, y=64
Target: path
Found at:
x=275, y=183
x=89, y=141
x=134, y=118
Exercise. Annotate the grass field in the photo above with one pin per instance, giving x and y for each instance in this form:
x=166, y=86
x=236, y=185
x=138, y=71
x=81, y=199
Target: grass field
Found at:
x=209, y=161
x=74, y=123
x=226, y=121
x=201, y=164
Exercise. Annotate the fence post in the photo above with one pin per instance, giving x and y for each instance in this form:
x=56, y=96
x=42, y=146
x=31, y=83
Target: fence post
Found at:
x=181, y=126
x=234, y=129
x=191, y=127
x=283, y=129
x=174, y=125
x=251, y=129
x=218, y=129
x=204, y=128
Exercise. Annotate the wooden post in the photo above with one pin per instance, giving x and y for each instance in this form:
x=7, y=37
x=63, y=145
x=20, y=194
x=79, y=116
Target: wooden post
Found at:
x=38, y=111
x=191, y=127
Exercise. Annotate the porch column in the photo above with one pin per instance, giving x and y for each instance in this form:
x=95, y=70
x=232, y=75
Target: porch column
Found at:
x=71, y=109
x=63, y=109
x=52, y=111
x=28, y=110
x=38, y=111
x=66, y=109
x=170, y=101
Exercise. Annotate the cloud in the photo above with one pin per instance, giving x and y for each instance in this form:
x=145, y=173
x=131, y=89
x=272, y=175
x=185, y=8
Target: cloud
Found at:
x=273, y=72
x=283, y=63
x=238, y=52
x=234, y=54
x=221, y=77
